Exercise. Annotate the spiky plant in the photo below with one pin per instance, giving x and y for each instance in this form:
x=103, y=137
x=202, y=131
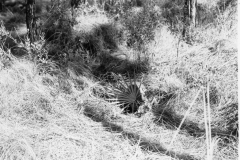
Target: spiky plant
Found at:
x=126, y=94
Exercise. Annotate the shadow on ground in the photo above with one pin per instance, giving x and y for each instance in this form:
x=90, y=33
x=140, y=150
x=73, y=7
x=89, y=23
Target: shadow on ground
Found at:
x=144, y=143
x=164, y=114
x=171, y=120
x=120, y=66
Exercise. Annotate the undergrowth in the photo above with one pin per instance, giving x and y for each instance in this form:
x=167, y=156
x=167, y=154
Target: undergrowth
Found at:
x=55, y=100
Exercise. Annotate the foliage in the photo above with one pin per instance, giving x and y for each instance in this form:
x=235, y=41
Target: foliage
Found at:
x=228, y=116
x=223, y=5
x=206, y=13
x=128, y=95
x=82, y=110
x=172, y=14
x=140, y=25
x=193, y=65
x=5, y=56
x=58, y=34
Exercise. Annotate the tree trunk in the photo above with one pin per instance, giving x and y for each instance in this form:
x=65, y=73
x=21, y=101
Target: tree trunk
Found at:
x=2, y=2
x=193, y=11
x=1, y=6
x=189, y=16
x=31, y=20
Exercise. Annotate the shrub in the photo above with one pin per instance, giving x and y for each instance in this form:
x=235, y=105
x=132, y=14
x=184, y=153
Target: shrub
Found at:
x=127, y=95
x=228, y=118
x=102, y=37
x=5, y=58
x=58, y=33
x=223, y=5
x=140, y=25
x=172, y=13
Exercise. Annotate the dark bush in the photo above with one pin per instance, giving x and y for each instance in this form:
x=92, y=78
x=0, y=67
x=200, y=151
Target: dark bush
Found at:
x=58, y=34
x=102, y=38
x=223, y=4
x=109, y=33
x=229, y=118
x=172, y=13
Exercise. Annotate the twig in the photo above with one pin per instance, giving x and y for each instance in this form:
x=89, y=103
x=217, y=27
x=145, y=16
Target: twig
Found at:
x=185, y=116
x=209, y=121
x=206, y=123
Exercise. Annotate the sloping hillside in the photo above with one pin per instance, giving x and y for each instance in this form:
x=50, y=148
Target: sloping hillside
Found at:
x=63, y=97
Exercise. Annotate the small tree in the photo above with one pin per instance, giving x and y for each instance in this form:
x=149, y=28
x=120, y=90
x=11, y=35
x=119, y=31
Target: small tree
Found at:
x=31, y=20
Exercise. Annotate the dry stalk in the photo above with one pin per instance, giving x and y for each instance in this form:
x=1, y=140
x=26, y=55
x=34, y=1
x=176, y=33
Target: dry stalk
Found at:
x=184, y=118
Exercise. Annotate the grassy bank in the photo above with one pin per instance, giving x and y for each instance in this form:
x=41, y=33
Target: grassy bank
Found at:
x=58, y=97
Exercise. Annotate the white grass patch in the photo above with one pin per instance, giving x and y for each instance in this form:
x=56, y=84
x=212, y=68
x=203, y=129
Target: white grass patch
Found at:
x=164, y=46
x=87, y=23
x=173, y=84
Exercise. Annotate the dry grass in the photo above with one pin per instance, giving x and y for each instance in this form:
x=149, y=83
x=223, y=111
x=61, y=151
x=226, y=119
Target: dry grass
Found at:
x=192, y=65
x=40, y=120
x=62, y=114
x=212, y=59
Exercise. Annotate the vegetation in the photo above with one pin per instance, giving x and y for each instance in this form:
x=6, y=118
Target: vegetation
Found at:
x=117, y=80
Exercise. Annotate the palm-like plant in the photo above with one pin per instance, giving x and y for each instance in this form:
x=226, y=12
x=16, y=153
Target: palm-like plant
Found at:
x=127, y=95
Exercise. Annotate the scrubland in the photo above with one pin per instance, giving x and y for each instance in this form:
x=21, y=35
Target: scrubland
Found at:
x=60, y=96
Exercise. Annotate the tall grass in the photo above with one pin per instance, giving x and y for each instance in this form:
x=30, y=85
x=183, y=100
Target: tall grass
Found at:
x=206, y=63
x=55, y=108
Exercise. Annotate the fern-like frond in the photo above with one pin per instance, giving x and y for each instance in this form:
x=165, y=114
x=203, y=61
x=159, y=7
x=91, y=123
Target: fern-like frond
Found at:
x=127, y=94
